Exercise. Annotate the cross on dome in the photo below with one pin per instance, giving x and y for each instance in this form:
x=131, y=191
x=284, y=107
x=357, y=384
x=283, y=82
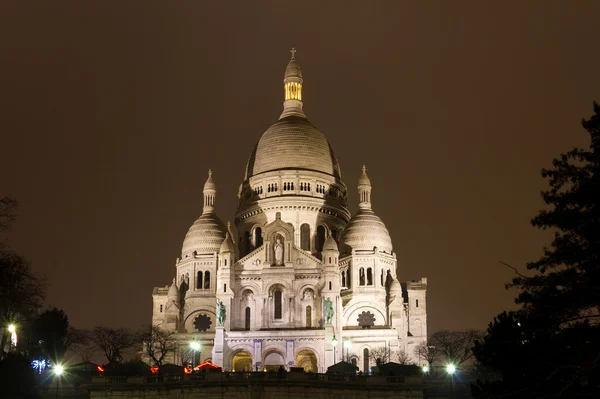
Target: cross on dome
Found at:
x=293, y=51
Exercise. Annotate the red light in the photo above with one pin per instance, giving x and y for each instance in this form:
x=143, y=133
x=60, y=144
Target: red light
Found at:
x=187, y=370
x=100, y=369
x=154, y=370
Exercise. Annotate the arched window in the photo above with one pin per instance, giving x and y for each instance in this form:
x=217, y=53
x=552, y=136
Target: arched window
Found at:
x=366, y=361
x=199, y=280
x=305, y=237
x=330, y=285
x=206, y=280
x=369, y=276
x=361, y=276
x=247, y=321
x=320, y=238
x=277, y=299
x=343, y=279
x=308, y=317
x=258, y=241
x=348, y=278
x=417, y=303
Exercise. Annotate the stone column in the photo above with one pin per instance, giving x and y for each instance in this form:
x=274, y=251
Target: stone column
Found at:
x=219, y=346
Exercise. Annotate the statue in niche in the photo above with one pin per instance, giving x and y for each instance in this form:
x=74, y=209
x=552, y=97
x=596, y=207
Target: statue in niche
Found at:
x=308, y=294
x=221, y=313
x=278, y=248
x=328, y=311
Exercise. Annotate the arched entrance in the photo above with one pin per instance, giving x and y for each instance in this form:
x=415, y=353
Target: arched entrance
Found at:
x=241, y=361
x=307, y=360
x=273, y=361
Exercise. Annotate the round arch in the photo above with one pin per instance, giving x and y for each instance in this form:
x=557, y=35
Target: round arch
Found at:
x=273, y=359
x=308, y=359
x=241, y=360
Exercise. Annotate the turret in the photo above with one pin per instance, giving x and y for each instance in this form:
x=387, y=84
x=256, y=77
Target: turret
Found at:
x=292, y=85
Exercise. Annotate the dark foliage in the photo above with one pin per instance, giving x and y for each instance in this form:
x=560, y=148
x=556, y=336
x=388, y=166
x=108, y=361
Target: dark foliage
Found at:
x=157, y=343
x=552, y=346
x=51, y=331
x=21, y=292
x=17, y=378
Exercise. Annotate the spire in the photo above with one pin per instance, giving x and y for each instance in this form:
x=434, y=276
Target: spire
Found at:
x=292, y=84
x=364, y=190
x=210, y=192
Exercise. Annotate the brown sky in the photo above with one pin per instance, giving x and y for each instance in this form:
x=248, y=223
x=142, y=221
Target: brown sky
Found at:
x=112, y=112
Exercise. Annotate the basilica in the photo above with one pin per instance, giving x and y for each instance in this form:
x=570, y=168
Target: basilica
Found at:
x=299, y=281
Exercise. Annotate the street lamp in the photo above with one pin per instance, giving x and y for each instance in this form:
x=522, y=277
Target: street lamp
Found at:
x=347, y=345
x=195, y=346
x=450, y=369
x=13, y=336
x=425, y=369
x=334, y=343
x=58, y=370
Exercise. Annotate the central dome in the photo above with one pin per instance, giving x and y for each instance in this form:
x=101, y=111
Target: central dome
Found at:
x=292, y=143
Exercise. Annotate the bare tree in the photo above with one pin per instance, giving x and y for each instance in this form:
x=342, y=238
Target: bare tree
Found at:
x=380, y=355
x=455, y=346
x=427, y=352
x=8, y=214
x=157, y=343
x=80, y=343
x=402, y=357
x=112, y=341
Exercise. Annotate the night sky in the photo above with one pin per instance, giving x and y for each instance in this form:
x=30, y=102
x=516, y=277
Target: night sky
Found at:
x=111, y=113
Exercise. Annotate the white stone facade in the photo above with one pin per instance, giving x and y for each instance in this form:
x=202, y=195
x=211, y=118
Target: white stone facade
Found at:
x=297, y=252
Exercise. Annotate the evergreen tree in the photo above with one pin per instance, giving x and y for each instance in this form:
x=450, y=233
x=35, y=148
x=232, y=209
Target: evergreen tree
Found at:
x=551, y=347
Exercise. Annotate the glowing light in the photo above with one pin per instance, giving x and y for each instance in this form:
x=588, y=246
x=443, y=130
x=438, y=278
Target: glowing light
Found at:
x=154, y=370
x=450, y=369
x=187, y=370
x=425, y=369
x=334, y=341
x=100, y=369
x=195, y=345
x=39, y=365
x=11, y=328
x=347, y=343
x=58, y=369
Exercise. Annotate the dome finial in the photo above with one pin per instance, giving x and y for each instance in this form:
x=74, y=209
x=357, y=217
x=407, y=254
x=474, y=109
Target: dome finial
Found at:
x=364, y=190
x=292, y=85
x=210, y=192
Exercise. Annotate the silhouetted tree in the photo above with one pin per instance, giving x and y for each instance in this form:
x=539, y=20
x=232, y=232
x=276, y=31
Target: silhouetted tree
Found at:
x=380, y=354
x=455, y=346
x=157, y=343
x=557, y=333
x=21, y=292
x=51, y=330
x=427, y=352
x=112, y=341
x=401, y=357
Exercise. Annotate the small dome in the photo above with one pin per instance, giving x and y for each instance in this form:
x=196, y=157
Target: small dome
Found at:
x=227, y=245
x=173, y=291
x=293, y=70
x=292, y=143
x=205, y=236
x=364, y=180
x=210, y=183
x=366, y=231
x=330, y=244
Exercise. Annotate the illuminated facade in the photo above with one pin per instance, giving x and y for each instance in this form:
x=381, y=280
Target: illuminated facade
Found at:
x=303, y=282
